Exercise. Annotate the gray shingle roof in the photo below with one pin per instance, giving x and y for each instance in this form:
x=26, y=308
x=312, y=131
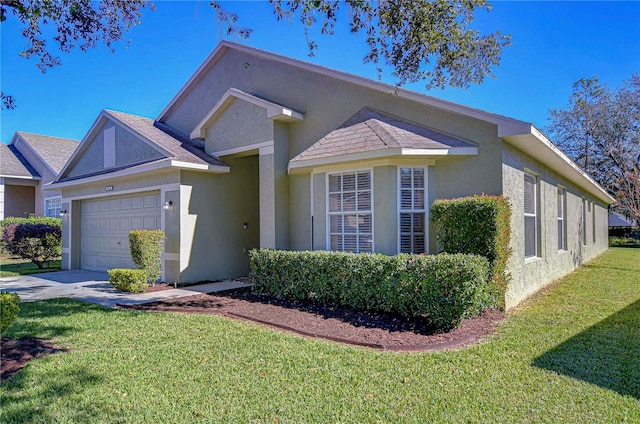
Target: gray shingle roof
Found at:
x=54, y=151
x=371, y=130
x=13, y=164
x=179, y=146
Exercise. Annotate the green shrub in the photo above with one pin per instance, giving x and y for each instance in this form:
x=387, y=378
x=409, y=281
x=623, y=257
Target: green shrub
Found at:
x=44, y=220
x=129, y=280
x=478, y=225
x=623, y=242
x=441, y=289
x=9, y=308
x=40, y=243
x=146, y=251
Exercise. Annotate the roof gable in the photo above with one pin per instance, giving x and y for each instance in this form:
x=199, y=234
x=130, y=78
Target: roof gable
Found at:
x=274, y=111
x=137, y=140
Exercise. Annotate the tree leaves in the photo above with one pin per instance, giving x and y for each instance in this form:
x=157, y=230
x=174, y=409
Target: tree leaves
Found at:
x=600, y=130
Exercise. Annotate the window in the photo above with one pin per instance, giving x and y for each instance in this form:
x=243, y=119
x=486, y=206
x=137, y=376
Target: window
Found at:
x=53, y=206
x=562, y=219
x=412, y=210
x=530, y=216
x=350, y=212
x=593, y=222
x=584, y=222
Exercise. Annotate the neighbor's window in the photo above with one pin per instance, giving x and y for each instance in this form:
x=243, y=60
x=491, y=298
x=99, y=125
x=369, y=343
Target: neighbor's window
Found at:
x=530, y=216
x=562, y=219
x=350, y=212
x=53, y=206
x=412, y=210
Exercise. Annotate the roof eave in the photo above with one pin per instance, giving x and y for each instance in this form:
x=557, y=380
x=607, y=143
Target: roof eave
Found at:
x=306, y=165
x=539, y=147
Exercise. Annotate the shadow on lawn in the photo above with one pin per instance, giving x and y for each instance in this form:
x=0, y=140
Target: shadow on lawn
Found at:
x=606, y=354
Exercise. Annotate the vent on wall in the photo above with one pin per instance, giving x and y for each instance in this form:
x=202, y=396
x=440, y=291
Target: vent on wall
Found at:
x=109, y=147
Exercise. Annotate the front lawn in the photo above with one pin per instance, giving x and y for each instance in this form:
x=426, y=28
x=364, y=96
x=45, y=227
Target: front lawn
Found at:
x=570, y=355
x=11, y=265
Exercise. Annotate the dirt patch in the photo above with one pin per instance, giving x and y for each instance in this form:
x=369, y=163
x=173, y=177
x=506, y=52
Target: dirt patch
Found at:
x=15, y=353
x=159, y=287
x=345, y=325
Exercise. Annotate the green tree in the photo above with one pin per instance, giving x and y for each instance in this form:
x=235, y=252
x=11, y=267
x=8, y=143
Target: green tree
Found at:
x=600, y=130
x=429, y=41
x=421, y=40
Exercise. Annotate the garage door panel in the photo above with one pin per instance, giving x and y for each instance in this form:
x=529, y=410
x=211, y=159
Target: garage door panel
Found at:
x=105, y=224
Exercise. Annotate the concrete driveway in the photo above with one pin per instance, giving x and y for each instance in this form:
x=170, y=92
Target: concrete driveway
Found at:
x=94, y=287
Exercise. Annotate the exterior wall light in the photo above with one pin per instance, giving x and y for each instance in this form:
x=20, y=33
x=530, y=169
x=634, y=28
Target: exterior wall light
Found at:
x=167, y=205
x=63, y=212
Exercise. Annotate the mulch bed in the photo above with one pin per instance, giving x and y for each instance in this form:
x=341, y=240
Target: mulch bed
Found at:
x=345, y=325
x=15, y=353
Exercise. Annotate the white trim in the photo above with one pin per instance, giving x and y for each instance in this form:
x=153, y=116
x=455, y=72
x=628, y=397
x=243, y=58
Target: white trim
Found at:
x=162, y=164
x=356, y=212
x=66, y=250
x=263, y=151
x=243, y=150
x=166, y=187
x=425, y=210
x=377, y=154
x=274, y=111
x=20, y=177
x=562, y=192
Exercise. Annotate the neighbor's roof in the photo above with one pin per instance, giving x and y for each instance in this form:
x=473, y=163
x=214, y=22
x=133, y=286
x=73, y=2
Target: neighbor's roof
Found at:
x=619, y=220
x=14, y=165
x=522, y=135
x=54, y=152
x=372, y=131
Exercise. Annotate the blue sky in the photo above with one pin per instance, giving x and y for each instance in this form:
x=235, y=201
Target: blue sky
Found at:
x=553, y=45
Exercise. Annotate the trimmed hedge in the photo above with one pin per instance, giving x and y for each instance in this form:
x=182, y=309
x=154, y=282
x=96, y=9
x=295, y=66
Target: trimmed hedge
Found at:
x=146, y=251
x=9, y=308
x=129, y=280
x=44, y=220
x=478, y=225
x=40, y=243
x=442, y=289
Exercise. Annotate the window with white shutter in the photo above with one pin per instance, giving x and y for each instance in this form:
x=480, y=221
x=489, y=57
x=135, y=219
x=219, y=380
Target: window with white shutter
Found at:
x=562, y=219
x=412, y=210
x=530, y=216
x=350, y=211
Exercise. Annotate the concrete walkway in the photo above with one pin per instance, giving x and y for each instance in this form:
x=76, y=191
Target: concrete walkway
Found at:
x=94, y=287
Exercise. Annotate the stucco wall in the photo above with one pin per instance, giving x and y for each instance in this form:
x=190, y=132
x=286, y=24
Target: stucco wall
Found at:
x=129, y=149
x=529, y=275
x=19, y=200
x=214, y=208
x=326, y=104
x=46, y=176
x=240, y=124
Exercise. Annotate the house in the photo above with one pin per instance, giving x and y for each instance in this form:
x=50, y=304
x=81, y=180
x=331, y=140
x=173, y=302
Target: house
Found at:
x=618, y=220
x=27, y=164
x=261, y=150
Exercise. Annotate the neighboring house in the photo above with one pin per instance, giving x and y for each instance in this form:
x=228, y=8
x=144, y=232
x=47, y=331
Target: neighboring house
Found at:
x=261, y=150
x=26, y=165
x=618, y=220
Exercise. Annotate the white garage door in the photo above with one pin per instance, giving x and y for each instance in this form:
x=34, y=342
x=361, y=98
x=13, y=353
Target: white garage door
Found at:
x=105, y=224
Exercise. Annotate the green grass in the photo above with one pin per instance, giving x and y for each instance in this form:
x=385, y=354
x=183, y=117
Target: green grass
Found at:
x=570, y=355
x=12, y=265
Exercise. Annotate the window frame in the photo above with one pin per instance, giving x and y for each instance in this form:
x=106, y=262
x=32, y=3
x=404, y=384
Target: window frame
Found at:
x=535, y=215
x=46, y=206
x=412, y=211
x=561, y=198
x=356, y=212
